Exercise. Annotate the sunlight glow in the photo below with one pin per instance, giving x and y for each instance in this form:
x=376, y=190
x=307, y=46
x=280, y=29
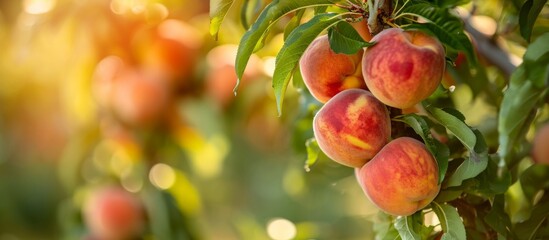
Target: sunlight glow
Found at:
x=269, y=66
x=124, y=6
x=38, y=6
x=485, y=24
x=281, y=229
x=131, y=181
x=162, y=176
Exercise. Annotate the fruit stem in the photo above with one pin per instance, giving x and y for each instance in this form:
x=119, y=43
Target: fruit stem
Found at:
x=353, y=8
x=378, y=10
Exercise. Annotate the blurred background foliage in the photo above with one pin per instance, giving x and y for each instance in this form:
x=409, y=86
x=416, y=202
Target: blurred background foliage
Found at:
x=137, y=96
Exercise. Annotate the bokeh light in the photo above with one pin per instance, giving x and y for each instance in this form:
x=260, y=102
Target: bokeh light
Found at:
x=162, y=176
x=281, y=229
x=38, y=6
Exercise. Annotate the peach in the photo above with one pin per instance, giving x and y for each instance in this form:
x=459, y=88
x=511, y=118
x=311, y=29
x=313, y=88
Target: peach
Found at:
x=172, y=51
x=105, y=72
x=540, y=151
x=362, y=28
x=139, y=99
x=404, y=67
x=221, y=75
x=326, y=73
x=402, y=178
x=352, y=127
x=113, y=213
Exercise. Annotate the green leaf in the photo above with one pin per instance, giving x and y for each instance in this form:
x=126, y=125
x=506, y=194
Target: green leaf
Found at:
x=434, y=14
x=498, y=219
x=406, y=229
x=534, y=179
x=445, y=26
x=254, y=37
x=451, y=3
x=528, y=14
x=439, y=150
x=472, y=139
x=451, y=223
x=518, y=107
x=244, y=14
x=297, y=42
x=456, y=125
x=480, y=153
x=313, y=151
x=157, y=211
x=495, y=179
x=218, y=11
x=345, y=39
x=384, y=228
x=527, y=230
x=296, y=20
x=473, y=165
x=536, y=61
x=447, y=195
x=297, y=80
x=537, y=49
x=250, y=9
x=523, y=96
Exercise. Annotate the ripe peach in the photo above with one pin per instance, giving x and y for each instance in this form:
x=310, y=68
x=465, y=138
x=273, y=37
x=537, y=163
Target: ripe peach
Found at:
x=221, y=76
x=105, y=72
x=540, y=151
x=362, y=28
x=139, y=99
x=403, y=67
x=326, y=73
x=172, y=51
x=402, y=178
x=113, y=213
x=352, y=127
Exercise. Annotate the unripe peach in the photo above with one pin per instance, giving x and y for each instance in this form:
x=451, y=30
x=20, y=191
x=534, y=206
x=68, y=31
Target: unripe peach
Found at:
x=402, y=178
x=404, y=67
x=326, y=73
x=352, y=127
x=540, y=149
x=113, y=213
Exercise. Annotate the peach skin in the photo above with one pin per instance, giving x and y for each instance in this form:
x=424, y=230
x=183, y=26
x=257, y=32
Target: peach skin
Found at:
x=362, y=29
x=540, y=151
x=404, y=67
x=352, y=127
x=139, y=99
x=402, y=178
x=326, y=73
x=113, y=213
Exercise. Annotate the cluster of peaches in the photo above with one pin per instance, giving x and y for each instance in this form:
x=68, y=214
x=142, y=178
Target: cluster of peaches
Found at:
x=135, y=89
x=138, y=86
x=353, y=127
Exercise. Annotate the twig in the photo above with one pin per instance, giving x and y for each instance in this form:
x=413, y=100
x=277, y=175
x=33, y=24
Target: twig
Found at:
x=490, y=50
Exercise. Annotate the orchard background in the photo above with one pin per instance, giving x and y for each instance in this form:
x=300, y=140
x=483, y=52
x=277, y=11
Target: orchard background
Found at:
x=118, y=120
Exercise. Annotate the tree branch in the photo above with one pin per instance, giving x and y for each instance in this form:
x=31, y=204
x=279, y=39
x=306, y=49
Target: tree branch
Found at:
x=378, y=10
x=490, y=50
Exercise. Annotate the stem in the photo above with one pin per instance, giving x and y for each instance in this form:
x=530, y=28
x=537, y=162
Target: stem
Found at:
x=378, y=10
x=490, y=50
